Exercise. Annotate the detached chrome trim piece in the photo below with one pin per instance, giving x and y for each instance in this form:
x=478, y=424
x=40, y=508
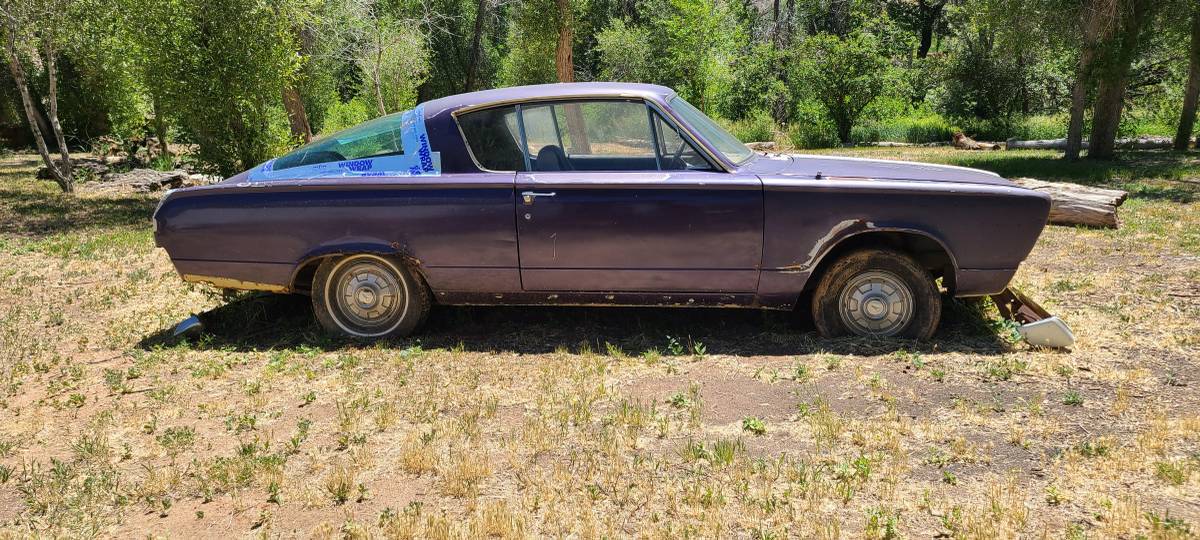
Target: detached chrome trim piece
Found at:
x=230, y=283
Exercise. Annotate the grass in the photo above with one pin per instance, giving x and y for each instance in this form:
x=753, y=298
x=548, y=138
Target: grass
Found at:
x=517, y=422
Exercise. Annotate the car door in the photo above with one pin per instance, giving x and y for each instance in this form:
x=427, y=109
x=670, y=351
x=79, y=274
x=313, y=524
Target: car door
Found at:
x=614, y=198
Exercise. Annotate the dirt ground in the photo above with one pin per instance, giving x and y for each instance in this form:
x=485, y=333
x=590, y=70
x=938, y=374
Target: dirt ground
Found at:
x=589, y=423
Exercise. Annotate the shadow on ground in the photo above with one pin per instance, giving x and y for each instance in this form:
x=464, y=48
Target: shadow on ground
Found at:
x=44, y=214
x=264, y=321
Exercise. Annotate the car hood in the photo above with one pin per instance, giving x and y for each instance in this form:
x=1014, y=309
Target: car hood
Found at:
x=813, y=166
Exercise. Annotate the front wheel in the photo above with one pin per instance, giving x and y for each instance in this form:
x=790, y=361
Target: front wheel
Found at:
x=877, y=293
x=368, y=296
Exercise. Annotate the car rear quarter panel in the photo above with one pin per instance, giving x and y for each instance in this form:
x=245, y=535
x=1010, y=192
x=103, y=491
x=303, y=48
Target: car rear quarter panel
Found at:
x=986, y=229
x=458, y=229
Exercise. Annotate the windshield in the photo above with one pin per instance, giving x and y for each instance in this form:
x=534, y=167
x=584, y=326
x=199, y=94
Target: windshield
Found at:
x=722, y=140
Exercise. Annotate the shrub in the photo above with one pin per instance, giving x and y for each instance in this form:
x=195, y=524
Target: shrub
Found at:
x=341, y=115
x=757, y=127
x=810, y=128
x=845, y=74
x=917, y=129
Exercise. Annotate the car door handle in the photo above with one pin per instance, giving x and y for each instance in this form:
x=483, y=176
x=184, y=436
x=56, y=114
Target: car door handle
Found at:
x=528, y=196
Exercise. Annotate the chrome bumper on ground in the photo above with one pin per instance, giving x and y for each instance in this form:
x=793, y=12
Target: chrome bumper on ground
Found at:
x=1037, y=326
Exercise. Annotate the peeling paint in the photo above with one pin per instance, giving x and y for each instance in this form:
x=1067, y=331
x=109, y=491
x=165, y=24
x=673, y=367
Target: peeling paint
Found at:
x=820, y=244
x=231, y=283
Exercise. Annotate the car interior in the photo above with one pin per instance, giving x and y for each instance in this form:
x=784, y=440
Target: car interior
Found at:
x=592, y=135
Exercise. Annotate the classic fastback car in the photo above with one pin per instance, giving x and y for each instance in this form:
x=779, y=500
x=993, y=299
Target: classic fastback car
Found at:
x=596, y=194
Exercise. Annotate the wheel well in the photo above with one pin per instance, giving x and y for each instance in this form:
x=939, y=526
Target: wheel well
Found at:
x=928, y=253
x=302, y=279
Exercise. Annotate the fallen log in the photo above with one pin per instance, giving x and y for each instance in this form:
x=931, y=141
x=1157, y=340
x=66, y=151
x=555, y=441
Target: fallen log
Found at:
x=962, y=142
x=1136, y=143
x=1074, y=204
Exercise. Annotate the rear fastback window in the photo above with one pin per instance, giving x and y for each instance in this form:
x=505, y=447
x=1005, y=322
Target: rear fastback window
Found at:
x=392, y=145
x=378, y=137
x=493, y=136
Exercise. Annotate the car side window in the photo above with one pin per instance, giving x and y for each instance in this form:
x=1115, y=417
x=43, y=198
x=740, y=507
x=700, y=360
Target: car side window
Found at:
x=676, y=152
x=589, y=136
x=494, y=138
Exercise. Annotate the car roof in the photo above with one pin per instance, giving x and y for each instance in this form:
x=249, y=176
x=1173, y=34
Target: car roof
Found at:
x=514, y=94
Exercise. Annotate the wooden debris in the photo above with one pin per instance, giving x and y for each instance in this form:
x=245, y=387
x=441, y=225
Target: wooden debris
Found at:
x=1074, y=204
x=963, y=142
x=761, y=146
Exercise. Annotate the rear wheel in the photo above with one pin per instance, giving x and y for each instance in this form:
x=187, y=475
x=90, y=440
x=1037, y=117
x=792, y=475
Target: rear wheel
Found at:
x=877, y=293
x=368, y=296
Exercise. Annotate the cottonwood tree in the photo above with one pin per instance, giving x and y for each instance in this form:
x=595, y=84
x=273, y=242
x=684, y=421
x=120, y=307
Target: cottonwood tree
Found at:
x=1112, y=75
x=1187, y=118
x=32, y=30
x=1110, y=36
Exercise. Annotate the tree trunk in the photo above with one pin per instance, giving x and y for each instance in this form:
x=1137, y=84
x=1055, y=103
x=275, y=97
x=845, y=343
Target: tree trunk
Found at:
x=378, y=65
x=476, y=42
x=1093, y=21
x=1110, y=97
x=55, y=126
x=1106, y=117
x=844, y=130
x=1187, y=120
x=61, y=177
x=564, y=61
x=160, y=128
x=297, y=116
x=930, y=15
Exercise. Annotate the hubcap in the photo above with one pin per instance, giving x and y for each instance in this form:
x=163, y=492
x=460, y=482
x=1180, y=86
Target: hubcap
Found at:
x=876, y=303
x=369, y=296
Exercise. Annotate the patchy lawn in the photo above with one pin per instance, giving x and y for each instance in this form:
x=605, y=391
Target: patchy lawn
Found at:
x=599, y=422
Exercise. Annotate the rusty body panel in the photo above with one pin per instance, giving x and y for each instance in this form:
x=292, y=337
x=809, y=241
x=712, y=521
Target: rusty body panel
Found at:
x=749, y=234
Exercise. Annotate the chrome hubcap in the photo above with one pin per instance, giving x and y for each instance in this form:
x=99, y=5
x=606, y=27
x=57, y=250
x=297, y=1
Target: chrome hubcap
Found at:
x=876, y=303
x=369, y=296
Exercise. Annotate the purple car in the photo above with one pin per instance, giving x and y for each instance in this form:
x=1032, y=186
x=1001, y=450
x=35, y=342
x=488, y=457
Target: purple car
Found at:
x=596, y=194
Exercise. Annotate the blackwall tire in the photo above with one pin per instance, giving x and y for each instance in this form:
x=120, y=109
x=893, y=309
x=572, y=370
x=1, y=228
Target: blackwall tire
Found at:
x=367, y=296
x=877, y=293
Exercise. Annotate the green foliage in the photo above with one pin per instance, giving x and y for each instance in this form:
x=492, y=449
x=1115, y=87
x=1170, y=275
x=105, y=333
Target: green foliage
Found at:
x=814, y=74
x=698, y=39
x=757, y=126
x=219, y=68
x=918, y=128
x=531, y=42
x=758, y=83
x=755, y=425
x=339, y=115
x=394, y=63
x=626, y=53
x=845, y=75
x=811, y=128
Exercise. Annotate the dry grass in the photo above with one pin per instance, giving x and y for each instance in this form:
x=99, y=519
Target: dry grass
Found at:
x=511, y=423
